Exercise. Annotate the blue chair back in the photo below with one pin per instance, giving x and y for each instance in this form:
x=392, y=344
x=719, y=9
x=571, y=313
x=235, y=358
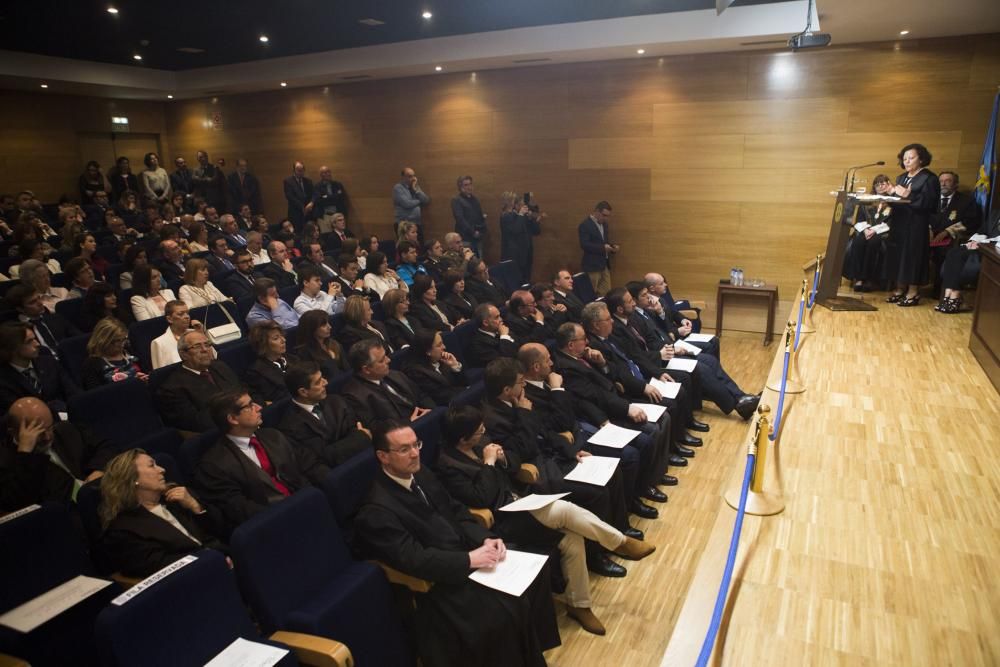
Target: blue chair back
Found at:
x=347, y=485
x=471, y=395
x=238, y=355
x=157, y=377
x=167, y=443
x=400, y=359
x=289, y=294
x=192, y=450
x=462, y=335
x=212, y=315
x=273, y=413
x=583, y=288
x=428, y=430
x=507, y=274
x=71, y=310
x=141, y=336
x=122, y=412
x=72, y=354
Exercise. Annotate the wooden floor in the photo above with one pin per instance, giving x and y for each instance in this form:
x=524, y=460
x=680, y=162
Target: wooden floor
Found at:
x=888, y=551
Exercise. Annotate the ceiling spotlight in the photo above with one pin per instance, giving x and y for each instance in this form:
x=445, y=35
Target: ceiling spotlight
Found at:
x=427, y=15
x=112, y=10
x=264, y=39
x=45, y=85
x=904, y=32
x=170, y=97
x=438, y=68
x=137, y=57
x=640, y=51
x=284, y=85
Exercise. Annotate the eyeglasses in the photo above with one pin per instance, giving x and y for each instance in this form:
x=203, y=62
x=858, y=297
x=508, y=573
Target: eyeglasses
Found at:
x=406, y=449
x=241, y=408
x=200, y=346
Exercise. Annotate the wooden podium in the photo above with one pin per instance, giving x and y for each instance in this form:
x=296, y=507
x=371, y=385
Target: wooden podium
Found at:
x=845, y=210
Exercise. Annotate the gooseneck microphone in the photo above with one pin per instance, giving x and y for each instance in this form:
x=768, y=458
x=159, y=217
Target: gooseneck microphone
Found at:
x=849, y=173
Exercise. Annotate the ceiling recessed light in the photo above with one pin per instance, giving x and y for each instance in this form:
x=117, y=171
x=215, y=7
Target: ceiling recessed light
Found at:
x=371, y=22
x=904, y=32
x=640, y=51
x=112, y=10
x=427, y=15
x=284, y=85
x=438, y=68
x=170, y=97
x=137, y=57
x=45, y=85
x=264, y=39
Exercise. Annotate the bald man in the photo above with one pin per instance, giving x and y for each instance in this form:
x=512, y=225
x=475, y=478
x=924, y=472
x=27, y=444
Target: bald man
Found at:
x=329, y=196
x=44, y=461
x=298, y=193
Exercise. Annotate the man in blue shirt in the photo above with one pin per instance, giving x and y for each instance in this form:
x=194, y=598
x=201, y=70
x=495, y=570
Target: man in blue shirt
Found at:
x=408, y=265
x=270, y=307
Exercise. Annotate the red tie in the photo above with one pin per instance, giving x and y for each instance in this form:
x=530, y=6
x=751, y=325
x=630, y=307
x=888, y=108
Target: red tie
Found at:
x=585, y=362
x=265, y=465
x=208, y=376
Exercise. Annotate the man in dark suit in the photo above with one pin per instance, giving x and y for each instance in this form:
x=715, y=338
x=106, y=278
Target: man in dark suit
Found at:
x=375, y=392
x=410, y=522
x=244, y=189
x=183, y=398
x=334, y=239
x=325, y=265
x=958, y=217
x=669, y=308
x=347, y=276
x=655, y=323
x=321, y=428
x=248, y=468
x=240, y=283
x=181, y=182
x=328, y=195
x=479, y=285
x=554, y=314
x=231, y=231
x=218, y=257
x=470, y=221
x=26, y=372
x=298, y=194
x=562, y=285
x=42, y=460
x=279, y=269
x=512, y=422
x=491, y=340
x=209, y=184
x=170, y=261
x=597, y=247
x=50, y=328
x=526, y=322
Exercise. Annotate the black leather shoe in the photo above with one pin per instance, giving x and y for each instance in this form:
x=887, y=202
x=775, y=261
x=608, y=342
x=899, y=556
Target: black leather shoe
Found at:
x=675, y=460
x=634, y=533
x=668, y=480
x=747, y=405
x=654, y=494
x=643, y=510
x=606, y=567
x=691, y=440
x=696, y=425
x=681, y=450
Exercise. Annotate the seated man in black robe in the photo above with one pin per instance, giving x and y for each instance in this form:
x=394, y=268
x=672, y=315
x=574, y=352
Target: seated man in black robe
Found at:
x=491, y=340
x=411, y=523
x=525, y=320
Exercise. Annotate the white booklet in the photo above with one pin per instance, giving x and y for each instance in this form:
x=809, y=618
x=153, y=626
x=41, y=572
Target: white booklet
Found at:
x=533, y=502
x=654, y=412
x=245, y=653
x=861, y=226
x=613, y=436
x=699, y=338
x=687, y=347
x=686, y=365
x=881, y=228
x=596, y=470
x=513, y=574
x=668, y=389
x=48, y=605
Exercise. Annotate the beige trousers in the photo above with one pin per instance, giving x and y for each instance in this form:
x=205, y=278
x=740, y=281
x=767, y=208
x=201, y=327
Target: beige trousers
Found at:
x=577, y=524
x=601, y=280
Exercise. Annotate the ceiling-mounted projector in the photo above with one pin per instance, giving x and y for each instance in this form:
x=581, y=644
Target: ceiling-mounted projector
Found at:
x=809, y=40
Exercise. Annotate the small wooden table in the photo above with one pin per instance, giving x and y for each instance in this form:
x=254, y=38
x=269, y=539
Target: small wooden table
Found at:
x=768, y=291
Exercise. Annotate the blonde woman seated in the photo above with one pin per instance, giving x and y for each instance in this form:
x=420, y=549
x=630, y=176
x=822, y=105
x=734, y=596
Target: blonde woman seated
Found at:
x=149, y=523
x=107, y=360
x=37, y=275
x=148, y=300
x=163, y=349
x=197, y=289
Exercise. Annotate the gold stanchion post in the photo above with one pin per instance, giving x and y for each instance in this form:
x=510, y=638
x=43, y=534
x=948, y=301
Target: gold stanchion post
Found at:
x=793, y=385
x=807, y=327
x=759, y=501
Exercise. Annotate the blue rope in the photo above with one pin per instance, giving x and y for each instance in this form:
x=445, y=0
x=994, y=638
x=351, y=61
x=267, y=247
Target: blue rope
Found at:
x=727, y=574
x=798, y=326
x=781, y=400
x=812, y=295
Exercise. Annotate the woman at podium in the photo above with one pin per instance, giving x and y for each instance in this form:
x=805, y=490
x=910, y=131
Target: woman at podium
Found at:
x=864, y=265
x=907, y=260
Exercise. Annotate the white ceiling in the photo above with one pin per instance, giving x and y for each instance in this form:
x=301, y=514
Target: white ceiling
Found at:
x=848, y=21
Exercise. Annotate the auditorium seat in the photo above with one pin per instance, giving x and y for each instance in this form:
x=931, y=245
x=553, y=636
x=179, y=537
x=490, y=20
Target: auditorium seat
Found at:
x=400, y=358
x=289, y=294
x=347, y=484
x=122, y=412
x=428, y=430
x=71, y=310
x=296, y=573
x=43, y=550
x=212, y=315
x=471, y=395
x=583, y=288
x=72, y=354
x=141, y=336
x=272, y=414
x=192, y=450
x=506, y=274
x=165, y=442
x=188, y=618
x=238, y=355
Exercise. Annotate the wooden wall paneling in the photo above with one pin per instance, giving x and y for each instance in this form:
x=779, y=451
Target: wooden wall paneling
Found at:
x=705, y=151
x=838, y=151
x=764, y=116
x=777, y=185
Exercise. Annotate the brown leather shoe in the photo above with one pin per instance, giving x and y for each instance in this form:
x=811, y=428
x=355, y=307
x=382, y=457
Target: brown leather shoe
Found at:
x=634, y=549
x=586, y=618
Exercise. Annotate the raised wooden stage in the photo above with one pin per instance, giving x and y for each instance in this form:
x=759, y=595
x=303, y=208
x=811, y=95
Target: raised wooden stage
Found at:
x=889, y=547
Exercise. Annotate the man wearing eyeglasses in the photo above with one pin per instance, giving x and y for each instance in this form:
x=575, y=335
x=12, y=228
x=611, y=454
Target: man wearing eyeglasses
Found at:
x=249, y=467
x=182, y=400
x=411, y=522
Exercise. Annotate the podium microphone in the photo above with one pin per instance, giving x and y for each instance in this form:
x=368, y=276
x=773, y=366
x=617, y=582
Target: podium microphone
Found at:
x=853, y=169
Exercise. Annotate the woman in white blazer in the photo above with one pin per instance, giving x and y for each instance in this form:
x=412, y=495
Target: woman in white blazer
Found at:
x=197, y=289
x=148, y=300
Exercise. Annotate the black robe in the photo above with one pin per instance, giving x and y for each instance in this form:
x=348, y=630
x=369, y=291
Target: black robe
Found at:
x=458, y=622
x=911, y=255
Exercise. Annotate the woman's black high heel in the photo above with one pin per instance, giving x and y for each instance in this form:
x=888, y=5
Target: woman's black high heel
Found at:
x=895, y=298
x=910, y=301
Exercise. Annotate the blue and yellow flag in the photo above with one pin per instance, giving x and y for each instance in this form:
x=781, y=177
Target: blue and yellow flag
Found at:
x=986, y=184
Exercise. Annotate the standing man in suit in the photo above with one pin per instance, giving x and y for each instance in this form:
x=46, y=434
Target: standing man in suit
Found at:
x=407, y=198
x=298, y=194
x=249, y=467
x=209, y=183
x=562, y=285
x=24, y=372
x=320, y=426
x=597, y=247
x=328, y=195
x=470, y=221
x=44, y=460
x=183, y=398
x=182, y=183
x=244, y=189
x=375, y=392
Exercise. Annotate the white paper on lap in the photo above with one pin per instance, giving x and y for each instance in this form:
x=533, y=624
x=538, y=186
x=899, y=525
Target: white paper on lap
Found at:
x=613, y=436
x=686, y=365
x=513, y=574
x=245, y=653
x=533, y=502
x=596, y=470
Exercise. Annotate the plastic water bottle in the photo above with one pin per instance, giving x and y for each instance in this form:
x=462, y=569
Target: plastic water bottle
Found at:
x=739, y=277
x=732, y=276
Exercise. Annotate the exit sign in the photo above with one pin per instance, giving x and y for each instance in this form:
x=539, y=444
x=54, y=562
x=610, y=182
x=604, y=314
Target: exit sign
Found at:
x=119, y=123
